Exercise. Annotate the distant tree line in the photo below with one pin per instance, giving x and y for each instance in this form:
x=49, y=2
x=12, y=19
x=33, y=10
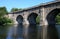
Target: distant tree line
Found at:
x=15, y=9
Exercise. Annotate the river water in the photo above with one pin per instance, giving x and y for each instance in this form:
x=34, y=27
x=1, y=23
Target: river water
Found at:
x=23, y=32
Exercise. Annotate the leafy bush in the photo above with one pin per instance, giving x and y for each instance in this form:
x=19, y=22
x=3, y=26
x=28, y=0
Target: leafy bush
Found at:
x=5, y=20
x=38, y=20
x=57, y=19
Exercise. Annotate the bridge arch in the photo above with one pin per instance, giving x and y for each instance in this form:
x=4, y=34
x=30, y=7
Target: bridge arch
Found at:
x=51, y=29
x=19, y=19
x=32, y=18
x=51, y=16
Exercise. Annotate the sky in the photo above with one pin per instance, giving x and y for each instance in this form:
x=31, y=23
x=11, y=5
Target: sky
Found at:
x=9, y=4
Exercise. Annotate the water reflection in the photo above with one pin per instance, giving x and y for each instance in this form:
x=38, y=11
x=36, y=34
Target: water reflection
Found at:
x=10, y=33
x=32, y=32
x=58, y=30
x=15, y=32
x=23, y=32
x=19, y=31
x=39, y=32
x=52, y=32
x=3, y=32
x=29, y=32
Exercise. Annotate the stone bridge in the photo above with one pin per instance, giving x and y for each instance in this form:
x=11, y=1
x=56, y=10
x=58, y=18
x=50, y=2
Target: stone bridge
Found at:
x=47, y=13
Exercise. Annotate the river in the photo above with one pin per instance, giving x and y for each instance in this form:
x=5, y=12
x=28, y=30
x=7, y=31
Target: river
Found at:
x=22, y=32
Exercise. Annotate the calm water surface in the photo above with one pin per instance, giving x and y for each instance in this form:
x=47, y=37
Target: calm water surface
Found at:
x=22, y=32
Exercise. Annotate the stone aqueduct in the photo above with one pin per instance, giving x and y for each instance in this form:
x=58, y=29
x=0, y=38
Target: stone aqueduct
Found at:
x=46, y=11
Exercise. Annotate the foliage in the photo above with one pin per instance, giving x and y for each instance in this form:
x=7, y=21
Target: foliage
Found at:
x=3, y=11
x=4, y=20
x=15, y=9
x=38, y=20
x=58, y=19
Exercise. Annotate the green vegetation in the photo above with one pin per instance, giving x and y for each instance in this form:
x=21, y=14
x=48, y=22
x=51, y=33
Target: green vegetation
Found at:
x=5, y=22
x=58, y=19
x=3, y=19
x=38, y=20
x=3, y=11
x=15, y=9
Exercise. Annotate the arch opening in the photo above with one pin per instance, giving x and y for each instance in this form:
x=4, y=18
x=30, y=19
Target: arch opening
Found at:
x=52, y=28
x=52, y=15
x=19, y=19
x=32, y=29
x=32, y=18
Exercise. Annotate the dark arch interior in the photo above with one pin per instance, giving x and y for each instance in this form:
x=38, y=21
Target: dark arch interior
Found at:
x=51, y=16
x=19, y=19
x=52, y=30
x=32, y=29
x=32, y=18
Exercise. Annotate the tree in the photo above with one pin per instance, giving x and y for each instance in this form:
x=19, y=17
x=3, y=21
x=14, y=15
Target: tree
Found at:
x=38, y=20
x=3, y=11
x=15, y=9
x=3, y=20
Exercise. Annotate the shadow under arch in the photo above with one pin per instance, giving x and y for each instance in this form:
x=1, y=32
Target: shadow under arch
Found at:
x=19, y=19
x=52, y=32
x=32, y=18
